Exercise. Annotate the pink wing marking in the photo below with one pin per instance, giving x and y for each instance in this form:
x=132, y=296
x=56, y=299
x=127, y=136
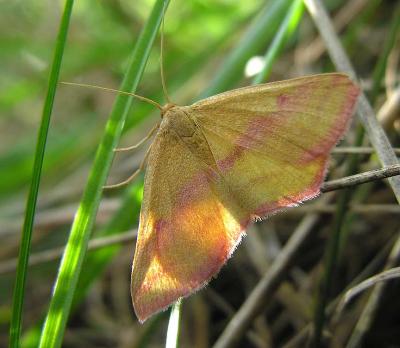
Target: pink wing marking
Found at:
x=258, y=128
x=196, y=187
x=283, y=101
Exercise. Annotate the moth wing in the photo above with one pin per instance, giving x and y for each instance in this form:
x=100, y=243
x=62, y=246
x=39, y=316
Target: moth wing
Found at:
x=271, y=142
x=189, y=225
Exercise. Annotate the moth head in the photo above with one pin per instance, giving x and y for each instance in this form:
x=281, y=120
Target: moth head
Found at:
x=166, y=108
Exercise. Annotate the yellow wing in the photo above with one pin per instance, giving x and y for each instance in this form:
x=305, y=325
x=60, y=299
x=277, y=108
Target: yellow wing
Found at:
x=189, y=226
x=271, y=142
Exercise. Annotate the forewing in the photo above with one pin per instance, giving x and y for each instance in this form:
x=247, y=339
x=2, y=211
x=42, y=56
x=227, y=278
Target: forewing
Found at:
x=271, y=142
x=189, y=225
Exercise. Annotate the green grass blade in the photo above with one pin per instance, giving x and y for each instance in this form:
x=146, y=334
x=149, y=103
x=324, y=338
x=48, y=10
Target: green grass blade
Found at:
x=286, y=29
x=75, y=250
x=96, y=261
x=19, y=288
x=173, y=326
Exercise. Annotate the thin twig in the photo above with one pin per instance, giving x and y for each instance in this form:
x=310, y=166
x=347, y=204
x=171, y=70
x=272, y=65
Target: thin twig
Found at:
x=354, y=208
x=359, y=150
x=361, y=178
x=365, y=112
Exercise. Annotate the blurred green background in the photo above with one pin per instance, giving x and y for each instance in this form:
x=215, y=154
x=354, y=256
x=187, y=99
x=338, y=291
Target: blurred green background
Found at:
x=210, y=46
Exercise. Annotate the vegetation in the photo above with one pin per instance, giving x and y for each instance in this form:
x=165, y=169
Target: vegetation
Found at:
x=305, y=258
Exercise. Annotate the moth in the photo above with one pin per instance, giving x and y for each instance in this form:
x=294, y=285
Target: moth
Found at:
x=219, y=164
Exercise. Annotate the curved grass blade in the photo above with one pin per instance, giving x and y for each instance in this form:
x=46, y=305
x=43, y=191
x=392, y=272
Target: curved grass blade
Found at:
x=75, y=250
x=19, y=287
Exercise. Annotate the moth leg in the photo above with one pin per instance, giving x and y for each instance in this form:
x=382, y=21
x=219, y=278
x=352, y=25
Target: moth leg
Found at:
x=148, y=136
x=133, y=176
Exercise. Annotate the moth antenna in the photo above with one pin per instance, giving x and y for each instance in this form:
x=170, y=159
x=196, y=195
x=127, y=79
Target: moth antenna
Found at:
x=148, y=136
x=133, y=176
x=147, y=100
x=164, y=85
